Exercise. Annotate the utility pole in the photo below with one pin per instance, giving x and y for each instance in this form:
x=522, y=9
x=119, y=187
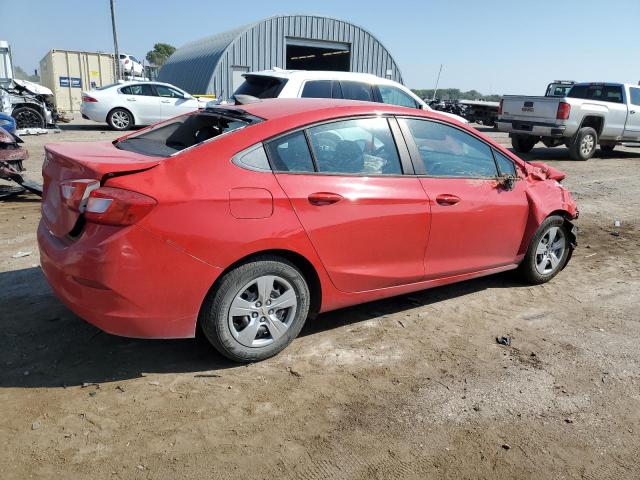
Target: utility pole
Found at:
x=115, y=40
x=437, y=81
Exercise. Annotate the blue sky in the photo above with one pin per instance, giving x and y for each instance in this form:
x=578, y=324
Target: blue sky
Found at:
x=494, y=46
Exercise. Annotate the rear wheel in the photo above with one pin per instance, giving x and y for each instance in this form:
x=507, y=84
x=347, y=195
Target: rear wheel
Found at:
x=523, y=143
x=257, y=309
x=584, y=144
x=547, y=253
x=27, y=117
x=120, y=119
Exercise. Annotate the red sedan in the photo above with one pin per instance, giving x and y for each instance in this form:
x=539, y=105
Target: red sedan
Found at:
x=248, y=220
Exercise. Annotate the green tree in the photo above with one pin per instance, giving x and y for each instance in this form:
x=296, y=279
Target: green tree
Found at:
x=20, y=74
x=160, y=53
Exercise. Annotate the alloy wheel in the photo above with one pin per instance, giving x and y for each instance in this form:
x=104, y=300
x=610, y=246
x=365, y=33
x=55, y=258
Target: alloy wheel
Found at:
x=587, y=145
x=550, y=250
x=120, y=119
x=262, y=311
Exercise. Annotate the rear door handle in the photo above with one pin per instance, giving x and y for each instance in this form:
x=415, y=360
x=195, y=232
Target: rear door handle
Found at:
x=446, y=200
x=131, y=99
x=166, y=101
x=632, y=112
x=321, y=199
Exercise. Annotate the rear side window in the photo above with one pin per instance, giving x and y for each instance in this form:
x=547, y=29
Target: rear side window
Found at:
x=449, y=152
x=394, y=96
x=361, y=147
x=290, y=153
x=145, y=90
x=603, y=93
x=317, y=89
x=261, y=87
x=357, y=91
x=635, y=95
x=170, y=137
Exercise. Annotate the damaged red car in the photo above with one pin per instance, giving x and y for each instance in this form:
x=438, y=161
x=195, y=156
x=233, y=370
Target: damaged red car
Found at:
x=244, y=221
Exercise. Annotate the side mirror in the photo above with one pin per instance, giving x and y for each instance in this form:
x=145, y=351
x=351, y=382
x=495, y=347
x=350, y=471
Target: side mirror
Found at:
x=186, y=96
x=506, y=182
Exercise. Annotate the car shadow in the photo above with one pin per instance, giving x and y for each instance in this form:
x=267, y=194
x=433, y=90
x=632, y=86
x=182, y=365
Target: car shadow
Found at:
x=561, y=154
x=46, y=345
x=88, y=127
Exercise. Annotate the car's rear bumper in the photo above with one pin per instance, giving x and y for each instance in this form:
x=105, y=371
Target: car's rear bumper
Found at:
x=537, y=129
x=93, y=111
x=127, y=281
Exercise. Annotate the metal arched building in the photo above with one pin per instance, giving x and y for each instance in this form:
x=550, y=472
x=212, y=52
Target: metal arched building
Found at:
x=214, y=65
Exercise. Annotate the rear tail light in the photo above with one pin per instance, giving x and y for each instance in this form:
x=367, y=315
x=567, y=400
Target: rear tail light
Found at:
x=75, y=193
x=88, y=99
x=115, y=206
x=500, y=107
x=564, y=109
x=126, y=61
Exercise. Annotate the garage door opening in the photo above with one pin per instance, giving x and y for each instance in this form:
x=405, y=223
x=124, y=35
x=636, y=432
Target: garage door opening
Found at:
x=305, y=54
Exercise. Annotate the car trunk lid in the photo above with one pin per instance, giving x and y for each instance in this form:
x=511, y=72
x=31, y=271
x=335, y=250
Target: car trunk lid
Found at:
x=81, y=167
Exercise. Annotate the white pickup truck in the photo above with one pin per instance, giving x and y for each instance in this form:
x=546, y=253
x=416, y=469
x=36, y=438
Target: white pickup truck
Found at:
x=591, y=114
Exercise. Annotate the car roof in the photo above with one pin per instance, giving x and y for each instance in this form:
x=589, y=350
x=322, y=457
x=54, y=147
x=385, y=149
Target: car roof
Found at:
x=322, y=75
x=317, y=108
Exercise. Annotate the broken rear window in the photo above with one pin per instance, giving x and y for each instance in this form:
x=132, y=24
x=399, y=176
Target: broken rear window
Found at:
x=170, y=137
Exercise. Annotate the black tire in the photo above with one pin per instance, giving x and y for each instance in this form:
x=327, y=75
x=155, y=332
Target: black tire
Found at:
x=607, y=149
x=578, y=147
x=528, y=271
x=120, y=119
x=523, y=143
x=28, y=117
x=215, y=318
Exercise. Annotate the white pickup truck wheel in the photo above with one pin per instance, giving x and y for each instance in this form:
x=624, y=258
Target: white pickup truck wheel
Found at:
x=584, y=144
x=523, y=143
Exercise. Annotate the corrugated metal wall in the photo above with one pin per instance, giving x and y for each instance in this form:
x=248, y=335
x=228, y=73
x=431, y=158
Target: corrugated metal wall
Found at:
x=205, y=66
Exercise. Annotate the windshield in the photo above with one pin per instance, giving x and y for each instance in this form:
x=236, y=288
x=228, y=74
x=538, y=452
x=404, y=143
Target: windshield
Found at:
x=168, y=138
x=261, y=87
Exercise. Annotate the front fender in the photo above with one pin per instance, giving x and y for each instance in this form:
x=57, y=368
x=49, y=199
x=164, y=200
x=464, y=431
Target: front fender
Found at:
x=545, y=198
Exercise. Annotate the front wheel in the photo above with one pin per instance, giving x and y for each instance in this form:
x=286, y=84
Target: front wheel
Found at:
x=548, y=252
x=257, y=309
x=27, y=117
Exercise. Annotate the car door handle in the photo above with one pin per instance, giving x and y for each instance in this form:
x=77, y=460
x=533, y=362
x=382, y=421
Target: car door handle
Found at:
x=321, y=199
x=131, y=99
x=166, y=101
x=446, y=200
x=632, y=112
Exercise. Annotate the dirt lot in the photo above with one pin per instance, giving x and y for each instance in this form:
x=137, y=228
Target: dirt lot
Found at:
x=412, y=387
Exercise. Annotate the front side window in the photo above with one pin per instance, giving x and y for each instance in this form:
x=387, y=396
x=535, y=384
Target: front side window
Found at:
x=168, y=92
x=505, y=165
x=357, y=91
x=361, y=147
x=290, y=153
x=317, y=89
x=449, y=152
x=635, y=95
x=395, y=96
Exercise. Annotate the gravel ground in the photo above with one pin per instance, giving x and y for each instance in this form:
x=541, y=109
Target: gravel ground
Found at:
x=411, y=387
